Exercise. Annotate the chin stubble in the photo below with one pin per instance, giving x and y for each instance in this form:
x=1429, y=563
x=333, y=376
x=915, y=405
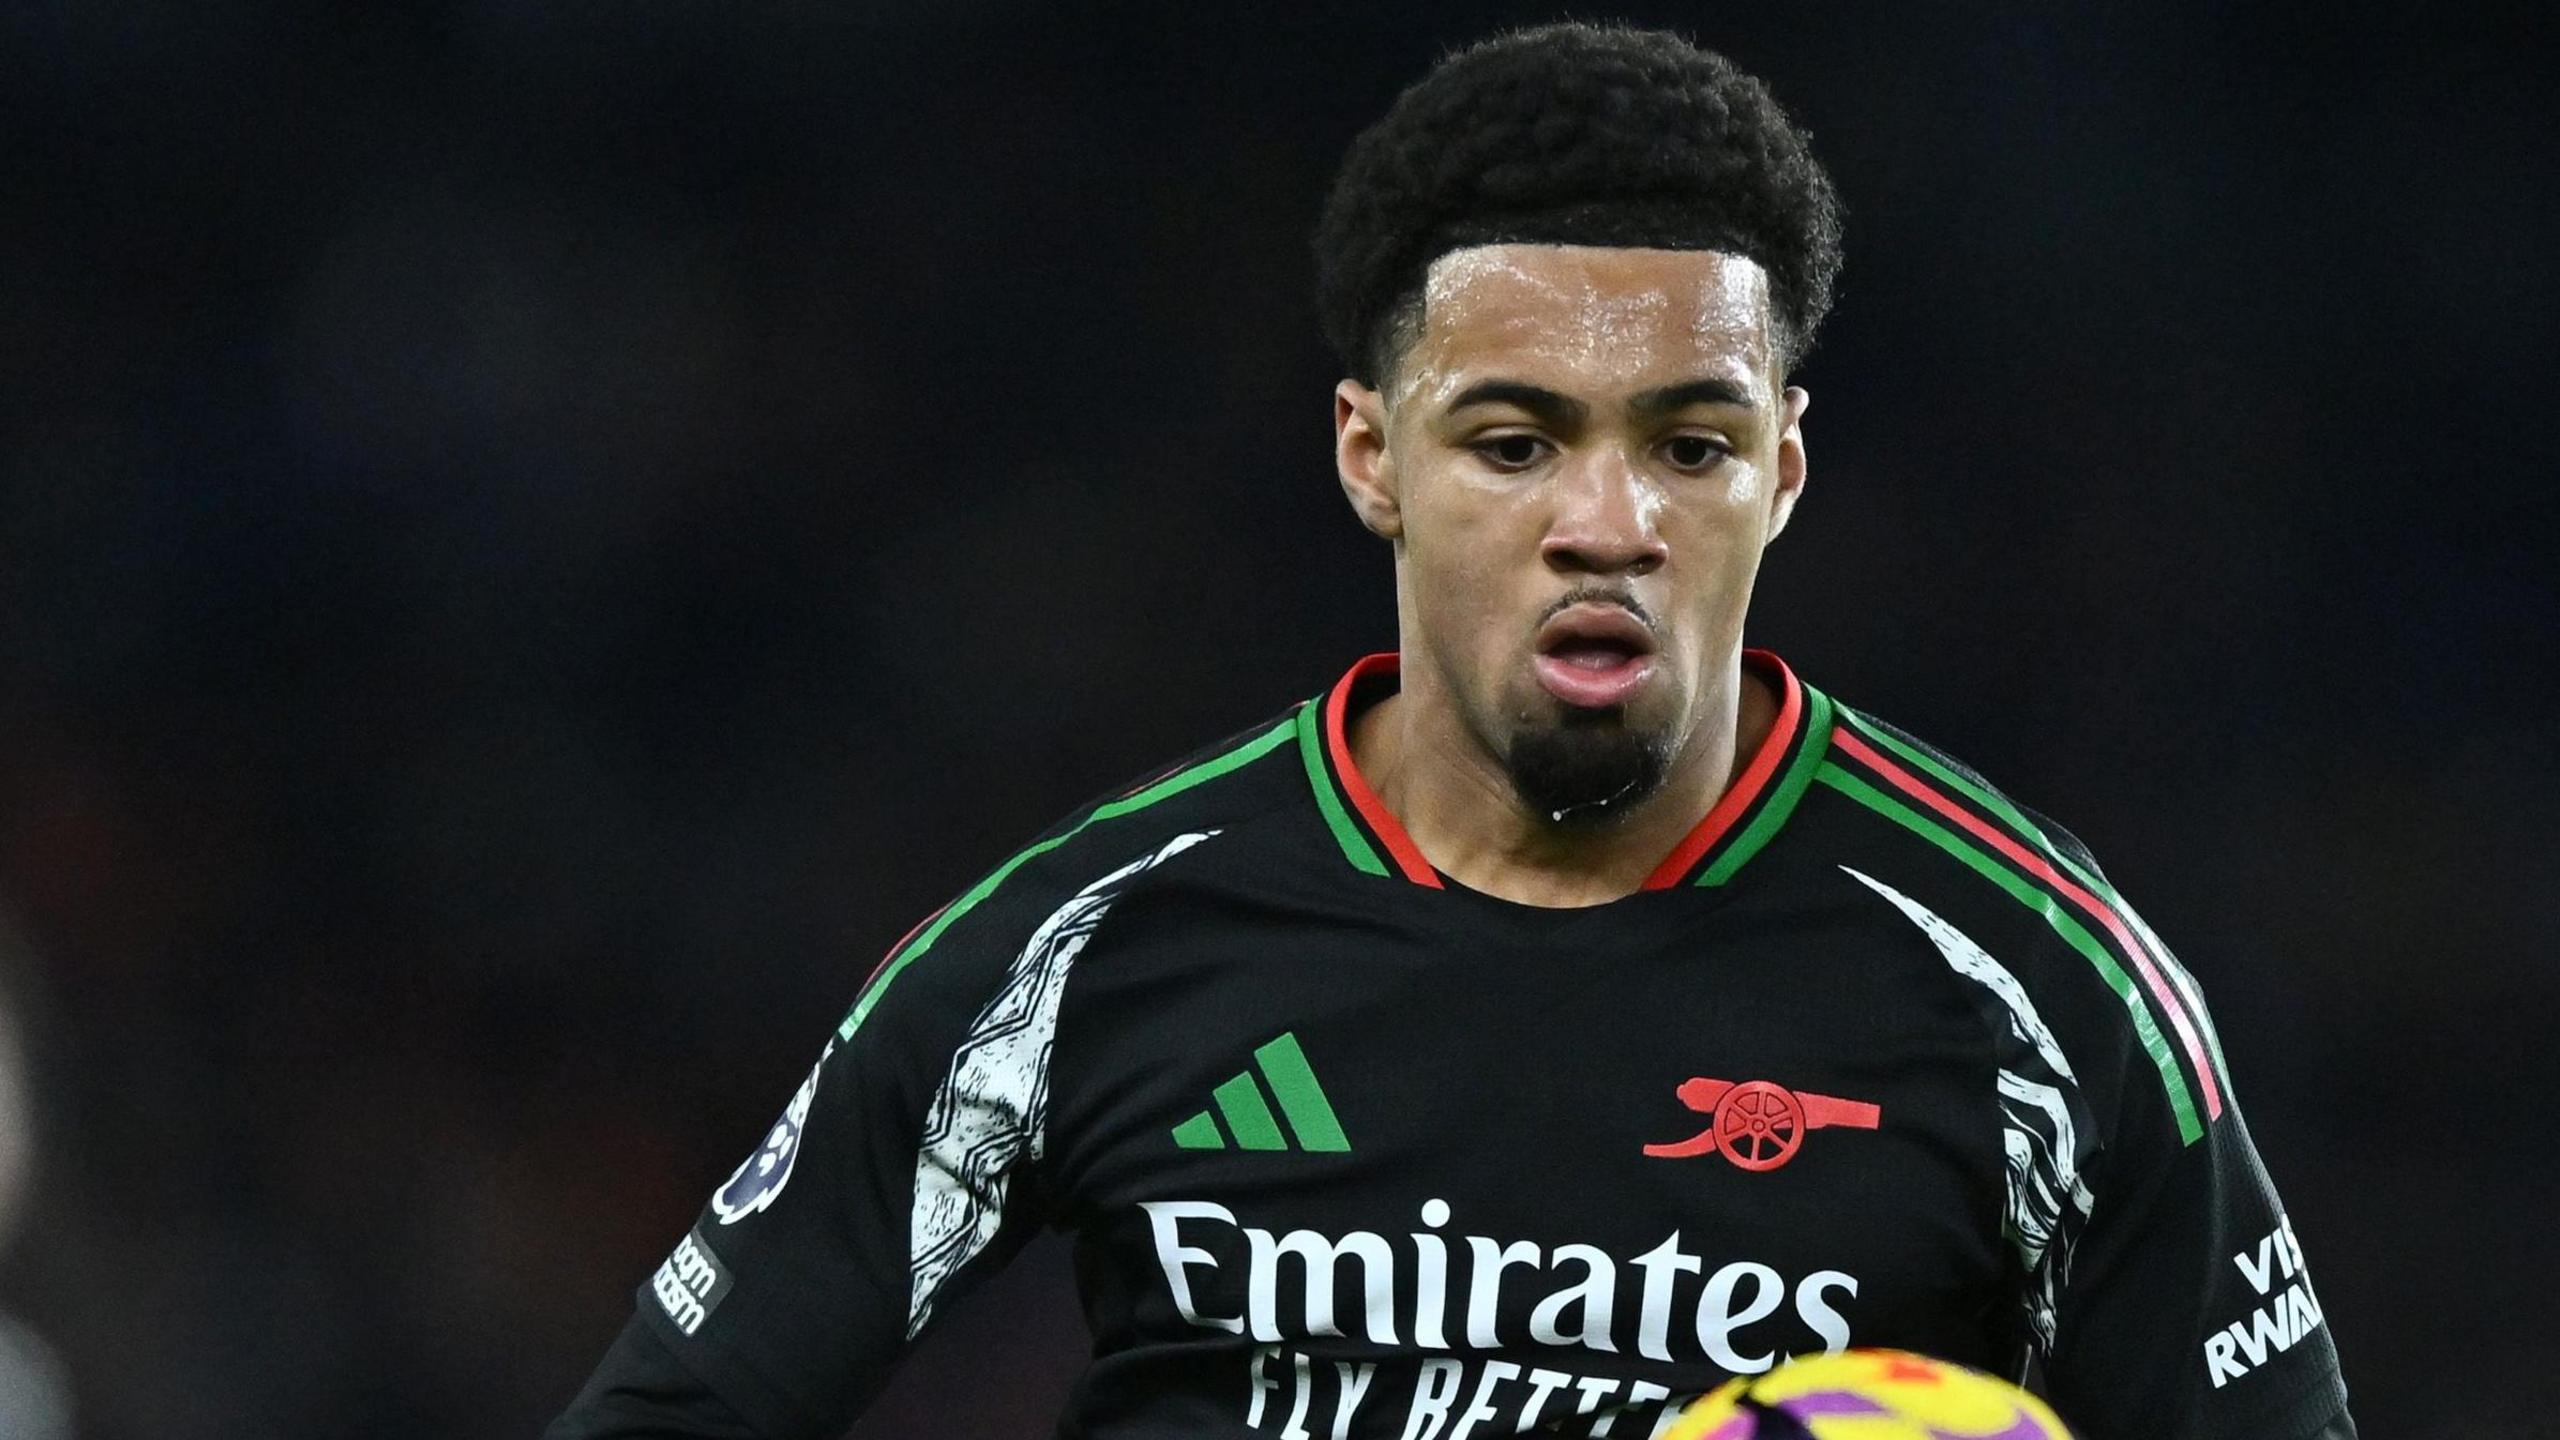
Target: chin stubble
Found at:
x=1586, y=771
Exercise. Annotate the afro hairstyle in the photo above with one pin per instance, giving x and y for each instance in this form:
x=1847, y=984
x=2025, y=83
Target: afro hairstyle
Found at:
x=1572, y=134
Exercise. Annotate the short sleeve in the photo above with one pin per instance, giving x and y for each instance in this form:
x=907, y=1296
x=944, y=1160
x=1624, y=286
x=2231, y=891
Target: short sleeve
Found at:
x=906, y=1166
x=886, y=1185
x=2186, y=1307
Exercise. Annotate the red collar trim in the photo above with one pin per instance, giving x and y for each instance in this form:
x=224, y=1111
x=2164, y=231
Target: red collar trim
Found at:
x=1747, y=786
x=1719, y=822
x=1373, y=811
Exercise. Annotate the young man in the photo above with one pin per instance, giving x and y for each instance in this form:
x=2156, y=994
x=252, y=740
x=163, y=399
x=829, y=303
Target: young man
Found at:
x=1570, y=1009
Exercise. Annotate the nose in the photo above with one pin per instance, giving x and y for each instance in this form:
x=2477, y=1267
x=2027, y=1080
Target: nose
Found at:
x=1604, y=520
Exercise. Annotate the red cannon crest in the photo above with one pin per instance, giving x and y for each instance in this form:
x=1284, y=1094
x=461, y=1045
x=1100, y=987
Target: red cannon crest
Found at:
x=1758, y=1124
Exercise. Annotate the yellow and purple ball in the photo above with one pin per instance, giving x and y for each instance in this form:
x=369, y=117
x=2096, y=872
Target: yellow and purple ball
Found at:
x=1868, y=1395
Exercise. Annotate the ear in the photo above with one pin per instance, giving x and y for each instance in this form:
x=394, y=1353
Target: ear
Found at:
x=1360, y=458
x=1790, y=488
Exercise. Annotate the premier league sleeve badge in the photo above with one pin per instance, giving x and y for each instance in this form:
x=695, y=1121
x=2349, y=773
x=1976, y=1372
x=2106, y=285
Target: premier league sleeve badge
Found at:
x=761, y=1178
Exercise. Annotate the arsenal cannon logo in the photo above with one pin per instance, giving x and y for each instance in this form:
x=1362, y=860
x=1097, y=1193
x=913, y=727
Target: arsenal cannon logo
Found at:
x=1758, y=1124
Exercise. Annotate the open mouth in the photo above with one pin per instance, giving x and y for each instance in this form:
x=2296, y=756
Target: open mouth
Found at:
x=1599, y=653
x=1594, y=656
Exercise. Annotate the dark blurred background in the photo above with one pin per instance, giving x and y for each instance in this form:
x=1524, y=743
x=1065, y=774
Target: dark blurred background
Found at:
x=536, y=539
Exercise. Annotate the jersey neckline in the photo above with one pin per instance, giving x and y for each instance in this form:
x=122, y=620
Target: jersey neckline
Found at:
x=1742, y=821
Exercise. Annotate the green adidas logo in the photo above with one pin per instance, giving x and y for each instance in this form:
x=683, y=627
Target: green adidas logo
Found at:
x=1284, y=1069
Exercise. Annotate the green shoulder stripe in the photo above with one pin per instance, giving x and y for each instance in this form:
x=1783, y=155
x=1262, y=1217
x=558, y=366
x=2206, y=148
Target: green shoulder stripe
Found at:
x=1165, y=789
x=2182, y=1103
x=1989, y=799
x=2027, y=830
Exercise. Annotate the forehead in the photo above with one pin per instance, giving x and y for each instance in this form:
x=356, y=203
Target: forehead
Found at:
x=1582, y=317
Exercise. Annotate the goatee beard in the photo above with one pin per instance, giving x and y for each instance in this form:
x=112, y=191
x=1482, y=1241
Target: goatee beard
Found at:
x=1586, y=770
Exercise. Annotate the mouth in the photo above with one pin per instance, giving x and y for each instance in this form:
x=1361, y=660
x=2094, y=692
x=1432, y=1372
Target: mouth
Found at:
x=1594, y=656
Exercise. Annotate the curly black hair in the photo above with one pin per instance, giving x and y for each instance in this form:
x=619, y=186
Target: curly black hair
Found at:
x=1573, y=134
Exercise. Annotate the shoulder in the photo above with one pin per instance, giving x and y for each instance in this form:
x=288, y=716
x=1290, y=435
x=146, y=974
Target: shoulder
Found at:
x=1216, y=791
x=1915, y=795
x=1978, y=871
x=1058, y=888
x=1961, y=860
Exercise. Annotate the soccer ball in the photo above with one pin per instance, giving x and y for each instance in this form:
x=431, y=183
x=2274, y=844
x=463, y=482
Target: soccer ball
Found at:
x=1868, y=1395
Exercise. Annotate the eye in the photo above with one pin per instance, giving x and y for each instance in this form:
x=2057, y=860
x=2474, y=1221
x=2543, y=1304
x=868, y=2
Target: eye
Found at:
x=1693, y=452
x=1510, y=452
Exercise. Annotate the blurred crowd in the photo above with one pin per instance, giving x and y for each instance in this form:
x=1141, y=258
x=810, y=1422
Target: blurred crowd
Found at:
x=536, y=540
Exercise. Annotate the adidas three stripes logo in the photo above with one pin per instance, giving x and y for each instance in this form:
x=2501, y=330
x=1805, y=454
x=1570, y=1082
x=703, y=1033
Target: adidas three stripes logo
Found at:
x=1283, y=1067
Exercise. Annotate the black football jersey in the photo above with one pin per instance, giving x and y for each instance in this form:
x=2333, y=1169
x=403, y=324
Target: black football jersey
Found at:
x=1875, y=1058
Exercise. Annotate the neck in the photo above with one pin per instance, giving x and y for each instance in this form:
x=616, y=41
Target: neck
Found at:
x=1457, y=802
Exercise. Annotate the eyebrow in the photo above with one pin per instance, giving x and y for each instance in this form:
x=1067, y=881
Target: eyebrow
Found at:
x=1561, y=411
x=1564, y=412
x=1693, y=392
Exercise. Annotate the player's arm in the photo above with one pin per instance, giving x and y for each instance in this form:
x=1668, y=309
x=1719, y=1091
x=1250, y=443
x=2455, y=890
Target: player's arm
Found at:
x=2185, y=1307
x=2189, y=1311
x=900, y=1171
x=642, y=1392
